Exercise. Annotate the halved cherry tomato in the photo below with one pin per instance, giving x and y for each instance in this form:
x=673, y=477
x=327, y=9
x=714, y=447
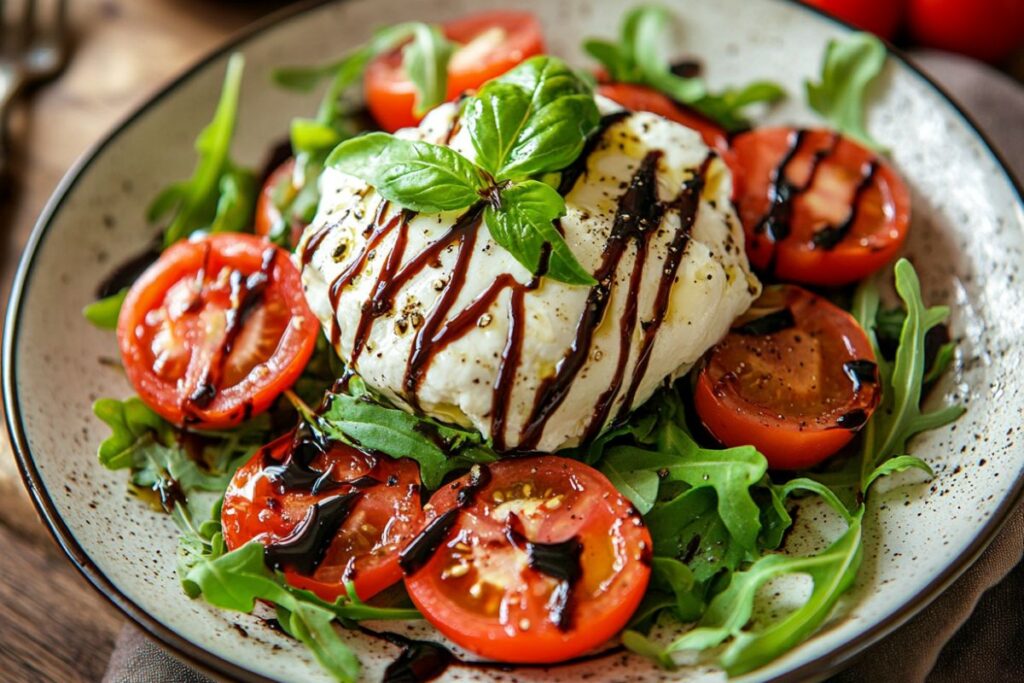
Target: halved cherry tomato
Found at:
x=529, y=560
x=817, y=207
x=796, y=377
x=268, y=216
x=271, y=496
x=642, y=98
x=491, y=43
x=216, y=329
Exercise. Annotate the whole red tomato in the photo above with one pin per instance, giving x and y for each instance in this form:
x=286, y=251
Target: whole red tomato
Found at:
x=989, y=30
x=881, y=17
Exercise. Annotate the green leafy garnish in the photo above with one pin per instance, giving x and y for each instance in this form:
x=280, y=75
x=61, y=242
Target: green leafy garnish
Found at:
x=425, y=59
x=103, y=313
x=531, y=121
x=691, y=528
x=637, y=58
x=848, y=69
x=357, y=418
x=219, y=195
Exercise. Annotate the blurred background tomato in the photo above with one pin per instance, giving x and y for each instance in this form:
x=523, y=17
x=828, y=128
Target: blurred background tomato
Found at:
x=989, y=30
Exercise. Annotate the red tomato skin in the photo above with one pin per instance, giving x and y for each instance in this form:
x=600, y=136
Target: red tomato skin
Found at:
x=989, y=30
x=391, y=97
x=794, y=259
x=254, y=509
x=789, y=442
x=542, y=642
x=249, y=397
x=881, y=17
x=267, y=213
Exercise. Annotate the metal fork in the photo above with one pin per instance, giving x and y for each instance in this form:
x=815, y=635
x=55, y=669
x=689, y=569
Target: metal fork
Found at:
x=34, y=48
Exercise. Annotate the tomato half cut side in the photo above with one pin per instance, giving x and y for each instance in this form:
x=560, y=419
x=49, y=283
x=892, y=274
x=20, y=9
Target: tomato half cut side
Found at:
x=269, y=219
x=536, y=559
x=796, y=378
x=490, y=43
x=216, y=329
x=817, y=207
x=294, y=483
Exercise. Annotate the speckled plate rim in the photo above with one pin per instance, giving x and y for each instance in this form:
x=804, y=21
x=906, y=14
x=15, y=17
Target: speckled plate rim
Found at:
x=818, y=668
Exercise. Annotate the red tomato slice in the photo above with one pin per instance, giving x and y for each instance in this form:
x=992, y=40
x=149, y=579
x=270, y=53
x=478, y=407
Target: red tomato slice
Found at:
x=491, y=43
x=642, y=98
x=817, y=207
x=268, y=216
x=270, y=497
x=529, y=560
x=796, y=378
x=216, y=329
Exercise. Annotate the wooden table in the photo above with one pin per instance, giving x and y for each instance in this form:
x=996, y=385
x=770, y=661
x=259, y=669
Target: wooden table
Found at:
x=53, y=627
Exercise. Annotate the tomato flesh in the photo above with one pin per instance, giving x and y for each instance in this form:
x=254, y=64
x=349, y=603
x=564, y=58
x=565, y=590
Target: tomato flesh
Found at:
x=544, y=560
x=817, y=207
x=796, y=377
x=490, y=43
x=258, y=505
x=216, y=329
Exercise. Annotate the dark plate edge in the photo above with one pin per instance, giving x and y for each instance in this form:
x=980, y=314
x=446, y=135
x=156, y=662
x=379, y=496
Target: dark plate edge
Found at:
x=816, y=669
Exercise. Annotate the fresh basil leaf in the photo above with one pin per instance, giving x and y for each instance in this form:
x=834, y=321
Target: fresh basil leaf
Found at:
x=237, y=201
x=425, y=61
x=195, y=201
x=104, y=312
x=524, y=226
x=850, y=66
x=364, y=422
x=417, y=175
x=532, y=120
x=728, y=617
x=238, y=579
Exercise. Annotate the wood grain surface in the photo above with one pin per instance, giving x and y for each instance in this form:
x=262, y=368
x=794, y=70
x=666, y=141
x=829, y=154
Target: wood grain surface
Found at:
x=53, y=626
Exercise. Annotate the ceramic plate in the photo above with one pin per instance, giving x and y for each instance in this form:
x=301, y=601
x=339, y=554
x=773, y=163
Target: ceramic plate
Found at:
x=966, y=240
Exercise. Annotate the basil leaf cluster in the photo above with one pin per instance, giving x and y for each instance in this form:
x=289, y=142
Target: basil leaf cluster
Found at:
x=637, y=58
x=531, y=121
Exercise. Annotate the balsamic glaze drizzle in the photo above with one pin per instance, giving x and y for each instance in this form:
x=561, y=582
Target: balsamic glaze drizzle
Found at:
x=560, y=561
x=861, y=372
x=770, y=323
x=305, y=548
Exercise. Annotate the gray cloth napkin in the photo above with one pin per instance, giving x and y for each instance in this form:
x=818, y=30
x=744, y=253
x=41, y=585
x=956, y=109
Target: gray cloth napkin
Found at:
x=974, y=630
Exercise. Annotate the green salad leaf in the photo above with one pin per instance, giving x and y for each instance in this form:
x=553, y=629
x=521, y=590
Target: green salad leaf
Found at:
x=849, y=68
x=219, y=195
x=524, y=124
x=638, y=58
x=103, y=313
x=357, y=418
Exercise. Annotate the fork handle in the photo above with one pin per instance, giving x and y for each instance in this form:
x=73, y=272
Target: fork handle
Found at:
x=10, y=83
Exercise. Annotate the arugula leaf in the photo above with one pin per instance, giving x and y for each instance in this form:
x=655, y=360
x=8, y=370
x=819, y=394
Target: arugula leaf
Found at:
x=238, y=579
x=728, y=617
x=425, y=60
x=899, y=416
x=238, y=188
x=417, y=175
x=103, y=313
x=196, y=203
x=133, y=426
x=637, y=58
x=899, y=463
x=848, y=69
x=523, y=226
x=362, y=421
